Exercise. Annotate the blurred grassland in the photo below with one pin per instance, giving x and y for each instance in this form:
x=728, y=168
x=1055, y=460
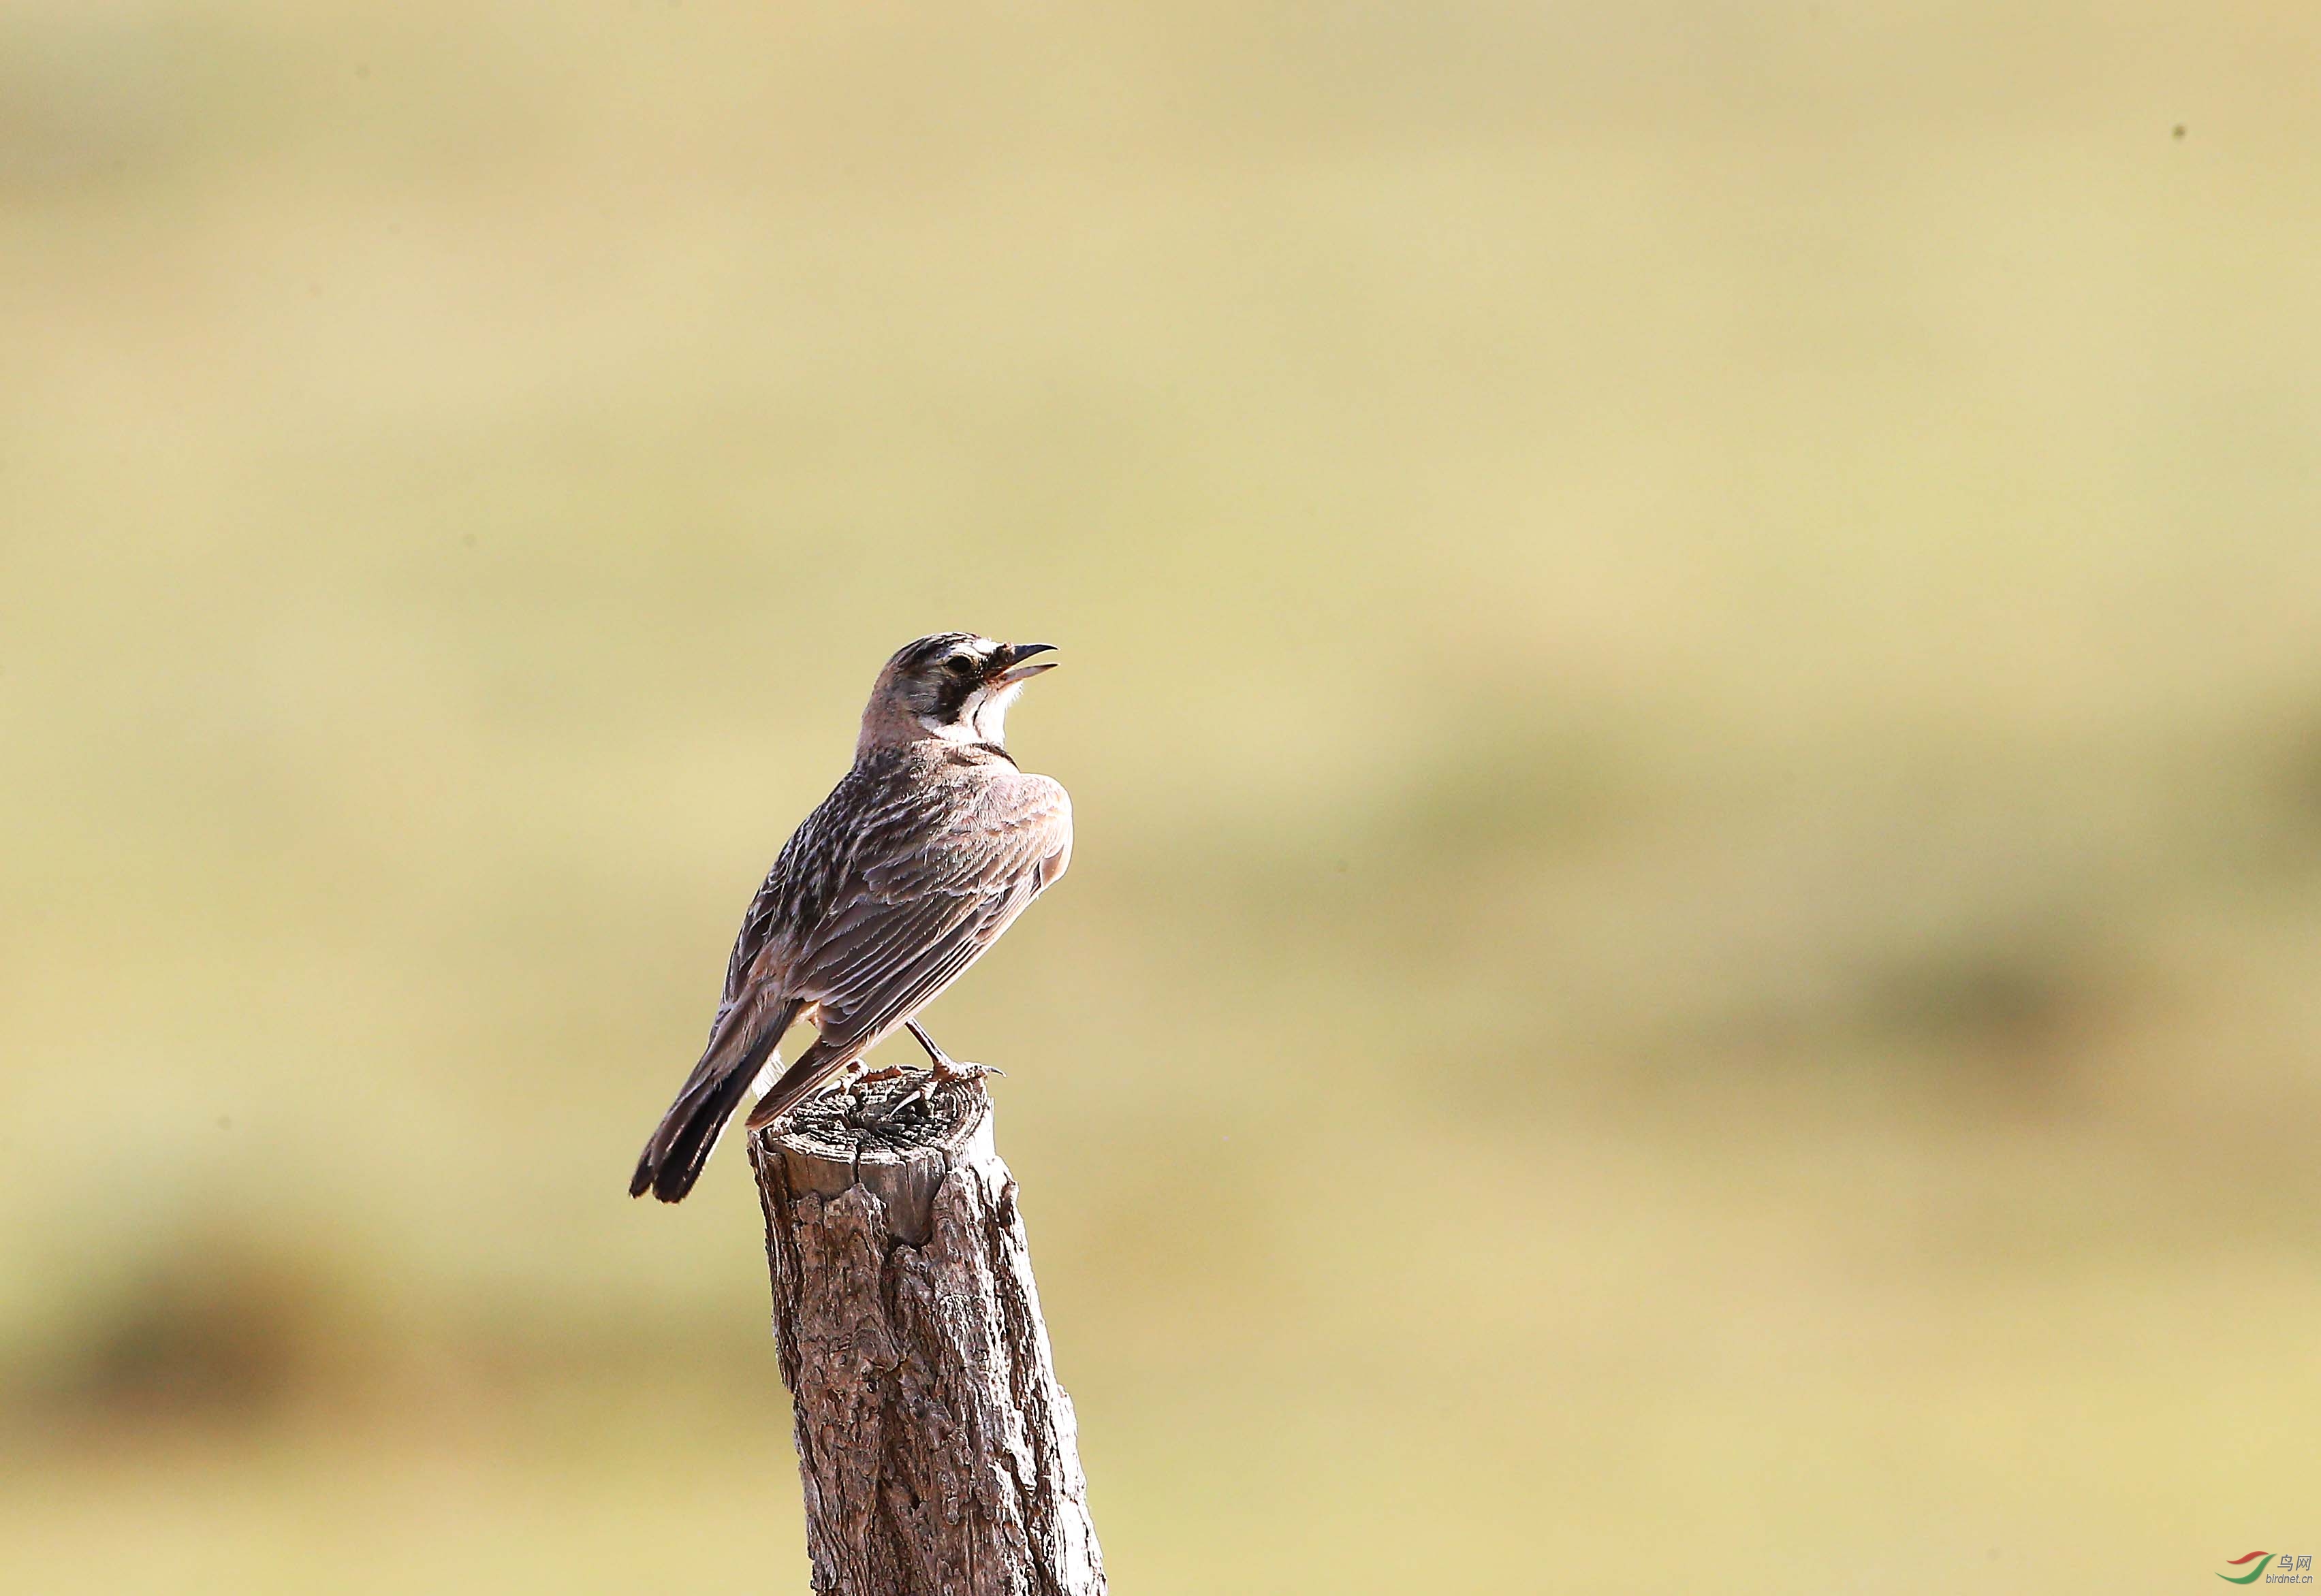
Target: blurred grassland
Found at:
x=1691, y=692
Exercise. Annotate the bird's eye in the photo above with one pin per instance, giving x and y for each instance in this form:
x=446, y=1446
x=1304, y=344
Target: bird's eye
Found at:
x=959, y=665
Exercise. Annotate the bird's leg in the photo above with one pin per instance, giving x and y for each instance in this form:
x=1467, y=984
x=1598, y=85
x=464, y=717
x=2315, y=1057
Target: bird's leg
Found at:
x=945, y=1067
x=859, y=1070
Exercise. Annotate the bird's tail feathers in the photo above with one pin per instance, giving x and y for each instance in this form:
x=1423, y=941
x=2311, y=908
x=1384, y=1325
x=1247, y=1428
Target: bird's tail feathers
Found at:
x=679, y=1149
x=801, y=1080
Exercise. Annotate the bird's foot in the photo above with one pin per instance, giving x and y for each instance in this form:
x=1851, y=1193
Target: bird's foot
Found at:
x=943, y=1073
x=858, y=1074
x=947, y=1070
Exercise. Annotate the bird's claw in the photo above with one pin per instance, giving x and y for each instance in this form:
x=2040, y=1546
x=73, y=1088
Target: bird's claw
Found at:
x=954, y=1069
x=935, y=1079
x=856, y=1077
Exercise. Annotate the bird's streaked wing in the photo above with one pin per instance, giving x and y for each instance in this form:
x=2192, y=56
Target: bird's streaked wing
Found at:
x=919, y=915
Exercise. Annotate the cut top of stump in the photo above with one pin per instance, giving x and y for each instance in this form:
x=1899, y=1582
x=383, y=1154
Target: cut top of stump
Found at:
x=840, y=1140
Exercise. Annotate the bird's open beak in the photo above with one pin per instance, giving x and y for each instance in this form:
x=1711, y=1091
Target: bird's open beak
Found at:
x=1016, y=670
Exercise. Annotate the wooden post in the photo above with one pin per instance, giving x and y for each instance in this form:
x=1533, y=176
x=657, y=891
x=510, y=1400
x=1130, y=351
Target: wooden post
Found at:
x=939, y=1453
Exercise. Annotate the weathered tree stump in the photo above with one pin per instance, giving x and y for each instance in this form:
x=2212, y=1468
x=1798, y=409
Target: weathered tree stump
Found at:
x=938, y=1452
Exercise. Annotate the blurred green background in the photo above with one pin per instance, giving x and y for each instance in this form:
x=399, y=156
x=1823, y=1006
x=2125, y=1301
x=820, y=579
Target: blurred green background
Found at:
x=1692, y=690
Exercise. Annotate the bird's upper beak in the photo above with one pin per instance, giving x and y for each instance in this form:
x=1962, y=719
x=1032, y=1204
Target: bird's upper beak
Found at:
x=1012, y=667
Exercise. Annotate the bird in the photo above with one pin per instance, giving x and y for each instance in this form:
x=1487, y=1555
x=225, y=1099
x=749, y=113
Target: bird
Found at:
x=927, y=849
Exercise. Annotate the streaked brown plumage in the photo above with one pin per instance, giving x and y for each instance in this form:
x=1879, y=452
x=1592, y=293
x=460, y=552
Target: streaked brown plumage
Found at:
x=924, y=852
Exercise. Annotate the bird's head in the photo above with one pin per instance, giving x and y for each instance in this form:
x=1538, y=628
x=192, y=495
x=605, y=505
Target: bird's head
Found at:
x=953, y=685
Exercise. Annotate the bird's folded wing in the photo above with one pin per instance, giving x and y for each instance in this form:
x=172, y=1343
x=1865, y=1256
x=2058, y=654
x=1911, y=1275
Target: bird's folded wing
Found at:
x=919, y=915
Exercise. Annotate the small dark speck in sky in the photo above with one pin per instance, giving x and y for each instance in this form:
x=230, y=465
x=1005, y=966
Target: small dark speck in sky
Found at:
x=225, y=1121
x=2178, y=132
x=467, y=540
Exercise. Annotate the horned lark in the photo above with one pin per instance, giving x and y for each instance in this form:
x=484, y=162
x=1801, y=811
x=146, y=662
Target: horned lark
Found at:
x=925, y=851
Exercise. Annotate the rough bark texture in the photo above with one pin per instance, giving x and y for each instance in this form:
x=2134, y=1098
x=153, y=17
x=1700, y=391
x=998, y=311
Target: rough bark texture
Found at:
x=939, y=1453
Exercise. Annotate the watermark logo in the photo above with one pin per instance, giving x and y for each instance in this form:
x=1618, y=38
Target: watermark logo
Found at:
x=2274, y=1568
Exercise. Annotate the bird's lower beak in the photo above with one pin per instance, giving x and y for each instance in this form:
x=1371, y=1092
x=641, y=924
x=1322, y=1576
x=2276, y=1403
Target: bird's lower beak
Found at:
x=1017, y=670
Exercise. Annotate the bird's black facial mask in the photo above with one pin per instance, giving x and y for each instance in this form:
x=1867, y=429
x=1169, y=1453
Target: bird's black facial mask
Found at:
x=940, y=678
x=958, y=685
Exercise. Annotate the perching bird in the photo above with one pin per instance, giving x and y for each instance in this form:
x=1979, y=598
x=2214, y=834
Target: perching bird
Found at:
x=925, y=851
